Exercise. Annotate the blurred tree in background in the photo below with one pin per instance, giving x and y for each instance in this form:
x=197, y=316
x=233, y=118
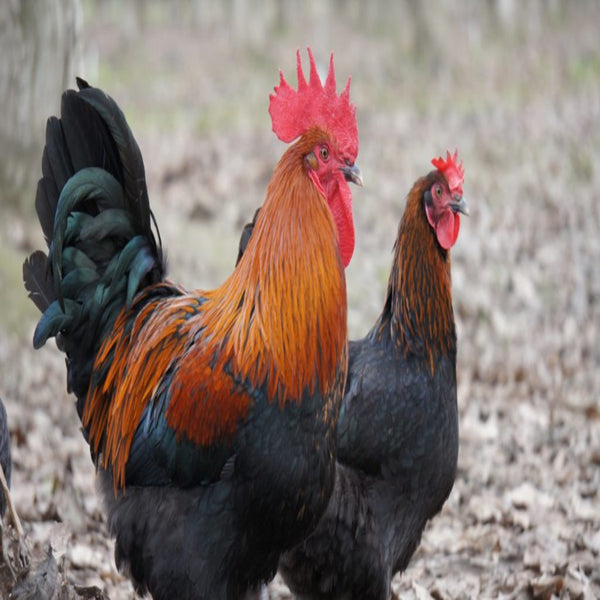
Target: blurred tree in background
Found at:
x=42, y=46
x=40, y=49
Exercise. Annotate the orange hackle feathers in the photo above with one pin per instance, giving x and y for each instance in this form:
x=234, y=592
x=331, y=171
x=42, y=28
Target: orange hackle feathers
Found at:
x=258, y=329
x=293, y=112
x=268, y=305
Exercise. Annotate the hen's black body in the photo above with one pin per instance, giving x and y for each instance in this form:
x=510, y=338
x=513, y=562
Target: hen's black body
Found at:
x=397, y=430
x=398, y=443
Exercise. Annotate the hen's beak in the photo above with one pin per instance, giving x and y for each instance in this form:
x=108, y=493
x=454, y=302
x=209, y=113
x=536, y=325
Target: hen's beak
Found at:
x=352, y=173
x=459, y=205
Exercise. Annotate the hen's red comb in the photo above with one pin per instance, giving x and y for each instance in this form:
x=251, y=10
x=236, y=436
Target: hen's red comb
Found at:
x=452, y=171
x=293, y=112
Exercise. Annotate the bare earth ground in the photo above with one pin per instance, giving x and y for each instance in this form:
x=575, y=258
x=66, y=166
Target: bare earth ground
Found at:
x=521, y=101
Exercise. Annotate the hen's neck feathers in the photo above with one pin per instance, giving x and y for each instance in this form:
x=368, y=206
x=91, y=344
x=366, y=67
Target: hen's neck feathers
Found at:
x=418, y=310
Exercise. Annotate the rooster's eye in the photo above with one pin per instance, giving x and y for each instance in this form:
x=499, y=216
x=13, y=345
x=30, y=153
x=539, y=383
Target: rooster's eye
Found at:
x=324, y=152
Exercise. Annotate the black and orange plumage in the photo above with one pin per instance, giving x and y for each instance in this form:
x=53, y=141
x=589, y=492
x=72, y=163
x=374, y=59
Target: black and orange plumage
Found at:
x=210, y=414
x=398, y=425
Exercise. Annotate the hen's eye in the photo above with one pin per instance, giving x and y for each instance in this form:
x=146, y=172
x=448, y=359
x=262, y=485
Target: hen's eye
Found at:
x=324, y=152
x=438, y=190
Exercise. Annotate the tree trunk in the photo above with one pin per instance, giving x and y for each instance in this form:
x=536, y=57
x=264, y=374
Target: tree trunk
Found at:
x=40, y=48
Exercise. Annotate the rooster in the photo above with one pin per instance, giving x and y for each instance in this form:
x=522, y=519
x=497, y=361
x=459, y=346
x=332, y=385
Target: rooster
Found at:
x=210, y=415
x=398, y=425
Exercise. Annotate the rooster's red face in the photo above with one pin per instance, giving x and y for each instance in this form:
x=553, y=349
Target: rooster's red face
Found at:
x=331, y=171
x=328, y=163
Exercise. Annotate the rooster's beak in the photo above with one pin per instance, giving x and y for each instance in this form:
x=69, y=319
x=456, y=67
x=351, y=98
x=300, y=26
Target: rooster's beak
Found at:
x=352, y=173
x=459, y=205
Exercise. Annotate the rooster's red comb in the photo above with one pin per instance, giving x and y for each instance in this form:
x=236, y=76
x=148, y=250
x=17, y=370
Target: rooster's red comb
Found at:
x=452, y=171
x=293, y=112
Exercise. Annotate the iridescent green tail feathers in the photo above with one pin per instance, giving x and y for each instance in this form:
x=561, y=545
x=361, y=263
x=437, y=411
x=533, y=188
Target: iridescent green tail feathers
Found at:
x=92, y=204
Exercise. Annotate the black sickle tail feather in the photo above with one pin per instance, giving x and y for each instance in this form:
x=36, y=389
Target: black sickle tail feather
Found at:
x=92, y=204
x=246, y=235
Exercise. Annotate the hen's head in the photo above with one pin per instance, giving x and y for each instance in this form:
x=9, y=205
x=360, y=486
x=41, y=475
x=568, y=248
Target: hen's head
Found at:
x=444, y=200
x=326, y=123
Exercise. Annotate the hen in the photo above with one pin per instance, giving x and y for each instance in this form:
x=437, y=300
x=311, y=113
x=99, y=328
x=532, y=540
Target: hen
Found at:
x=398, y=425
x=210, y=414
